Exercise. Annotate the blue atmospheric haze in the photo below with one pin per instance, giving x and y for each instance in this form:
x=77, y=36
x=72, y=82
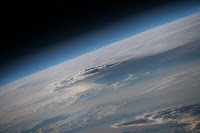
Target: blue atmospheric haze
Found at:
x=90, y=41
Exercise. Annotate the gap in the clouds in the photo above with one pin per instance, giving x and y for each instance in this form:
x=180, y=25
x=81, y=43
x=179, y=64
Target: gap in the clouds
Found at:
x=92, y=40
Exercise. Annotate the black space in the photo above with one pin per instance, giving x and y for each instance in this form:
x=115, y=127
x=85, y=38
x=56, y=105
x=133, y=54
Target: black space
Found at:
x=28, y=27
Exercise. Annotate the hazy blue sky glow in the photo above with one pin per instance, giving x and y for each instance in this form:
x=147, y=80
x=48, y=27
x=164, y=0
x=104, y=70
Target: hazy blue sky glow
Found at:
x=92, y=40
